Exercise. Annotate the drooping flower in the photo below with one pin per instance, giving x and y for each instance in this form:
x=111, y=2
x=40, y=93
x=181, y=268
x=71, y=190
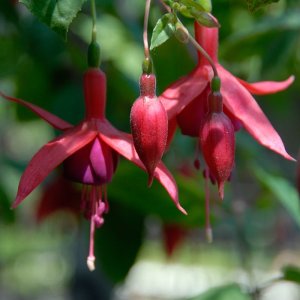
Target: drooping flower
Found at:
x=217, y=141
x=89, y=152
x=186, y=99
x=149, y=125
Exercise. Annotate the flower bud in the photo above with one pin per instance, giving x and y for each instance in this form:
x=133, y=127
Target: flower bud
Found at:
x=217, y=141
x=149, y=125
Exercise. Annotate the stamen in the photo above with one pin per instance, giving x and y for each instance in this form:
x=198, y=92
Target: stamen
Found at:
x=208, y=229
x=91, y=263
x=91, y=258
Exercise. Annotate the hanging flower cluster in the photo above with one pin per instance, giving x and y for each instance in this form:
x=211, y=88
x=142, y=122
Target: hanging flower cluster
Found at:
x=210, y=104
x=89, y=154
x=188, y=102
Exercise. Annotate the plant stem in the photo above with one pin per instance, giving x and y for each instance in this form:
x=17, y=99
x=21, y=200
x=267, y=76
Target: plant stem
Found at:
x=94, y=18
x=199, y=48
x=165, y=6
x=204, y=53
x=145, y=34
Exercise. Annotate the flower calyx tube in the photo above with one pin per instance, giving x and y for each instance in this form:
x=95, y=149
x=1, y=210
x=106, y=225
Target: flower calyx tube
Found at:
x=149, y=125
x=217, y=139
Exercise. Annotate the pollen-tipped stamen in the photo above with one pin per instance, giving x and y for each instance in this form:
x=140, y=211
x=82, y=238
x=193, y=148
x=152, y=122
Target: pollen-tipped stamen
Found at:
x=208, y=229
x=98, y=207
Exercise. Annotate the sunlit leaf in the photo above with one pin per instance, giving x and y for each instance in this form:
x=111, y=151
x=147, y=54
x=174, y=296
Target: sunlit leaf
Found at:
x=191, y=3
x=282, y=190
x=57, y=14
x=226, y=292
x=163, y=30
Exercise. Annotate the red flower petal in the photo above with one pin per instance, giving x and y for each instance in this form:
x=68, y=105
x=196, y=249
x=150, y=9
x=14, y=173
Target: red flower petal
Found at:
x=179, y=94
x=244, y=107
x=59, y=195
x=267, y=87
x=53, y=120
x=123, y=144
x=50, y=156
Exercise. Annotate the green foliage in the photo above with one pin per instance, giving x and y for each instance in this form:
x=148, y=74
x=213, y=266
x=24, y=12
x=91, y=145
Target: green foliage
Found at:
x=58, y=15
x=282, y=190
x=254, y=5
x=291, y=273
x=163, y=30
x=119, y=240
x=37, y=66
x=226, y=292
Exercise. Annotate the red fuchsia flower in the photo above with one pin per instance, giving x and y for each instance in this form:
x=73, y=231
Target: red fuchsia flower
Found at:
x=217, y=141
x=149, y=125
x=186, y=99
x=89, y=154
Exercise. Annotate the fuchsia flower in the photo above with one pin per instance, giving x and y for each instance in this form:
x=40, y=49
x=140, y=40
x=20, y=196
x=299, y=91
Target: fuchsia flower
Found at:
x=217, y=141
x=186, y=99
x=89, y=153
x=149, y=125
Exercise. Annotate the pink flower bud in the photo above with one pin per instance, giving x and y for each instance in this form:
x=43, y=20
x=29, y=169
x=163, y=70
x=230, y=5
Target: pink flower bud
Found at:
x=149, y=125
x=217, y=141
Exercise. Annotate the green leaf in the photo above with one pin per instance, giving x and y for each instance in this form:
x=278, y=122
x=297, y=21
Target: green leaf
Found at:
x=291, y=273
x=192, y=4
x=206, y=4
x=57, y=14
x=254, y=5
x=119, y=240
x=283, y=190
x=227, y=292
x=129, y=187
x=163, y=30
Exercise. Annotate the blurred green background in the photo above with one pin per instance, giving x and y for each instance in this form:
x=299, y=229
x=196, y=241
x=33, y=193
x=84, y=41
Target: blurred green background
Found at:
x=256, y=228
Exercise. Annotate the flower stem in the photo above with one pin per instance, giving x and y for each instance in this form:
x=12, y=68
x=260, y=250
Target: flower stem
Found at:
x=168, y=9
x=199, y=48
x=204, y=53
x=94, y=18
x=145, y=33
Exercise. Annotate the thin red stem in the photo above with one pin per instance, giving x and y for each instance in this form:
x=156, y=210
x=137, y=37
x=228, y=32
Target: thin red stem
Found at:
x=168, y=9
